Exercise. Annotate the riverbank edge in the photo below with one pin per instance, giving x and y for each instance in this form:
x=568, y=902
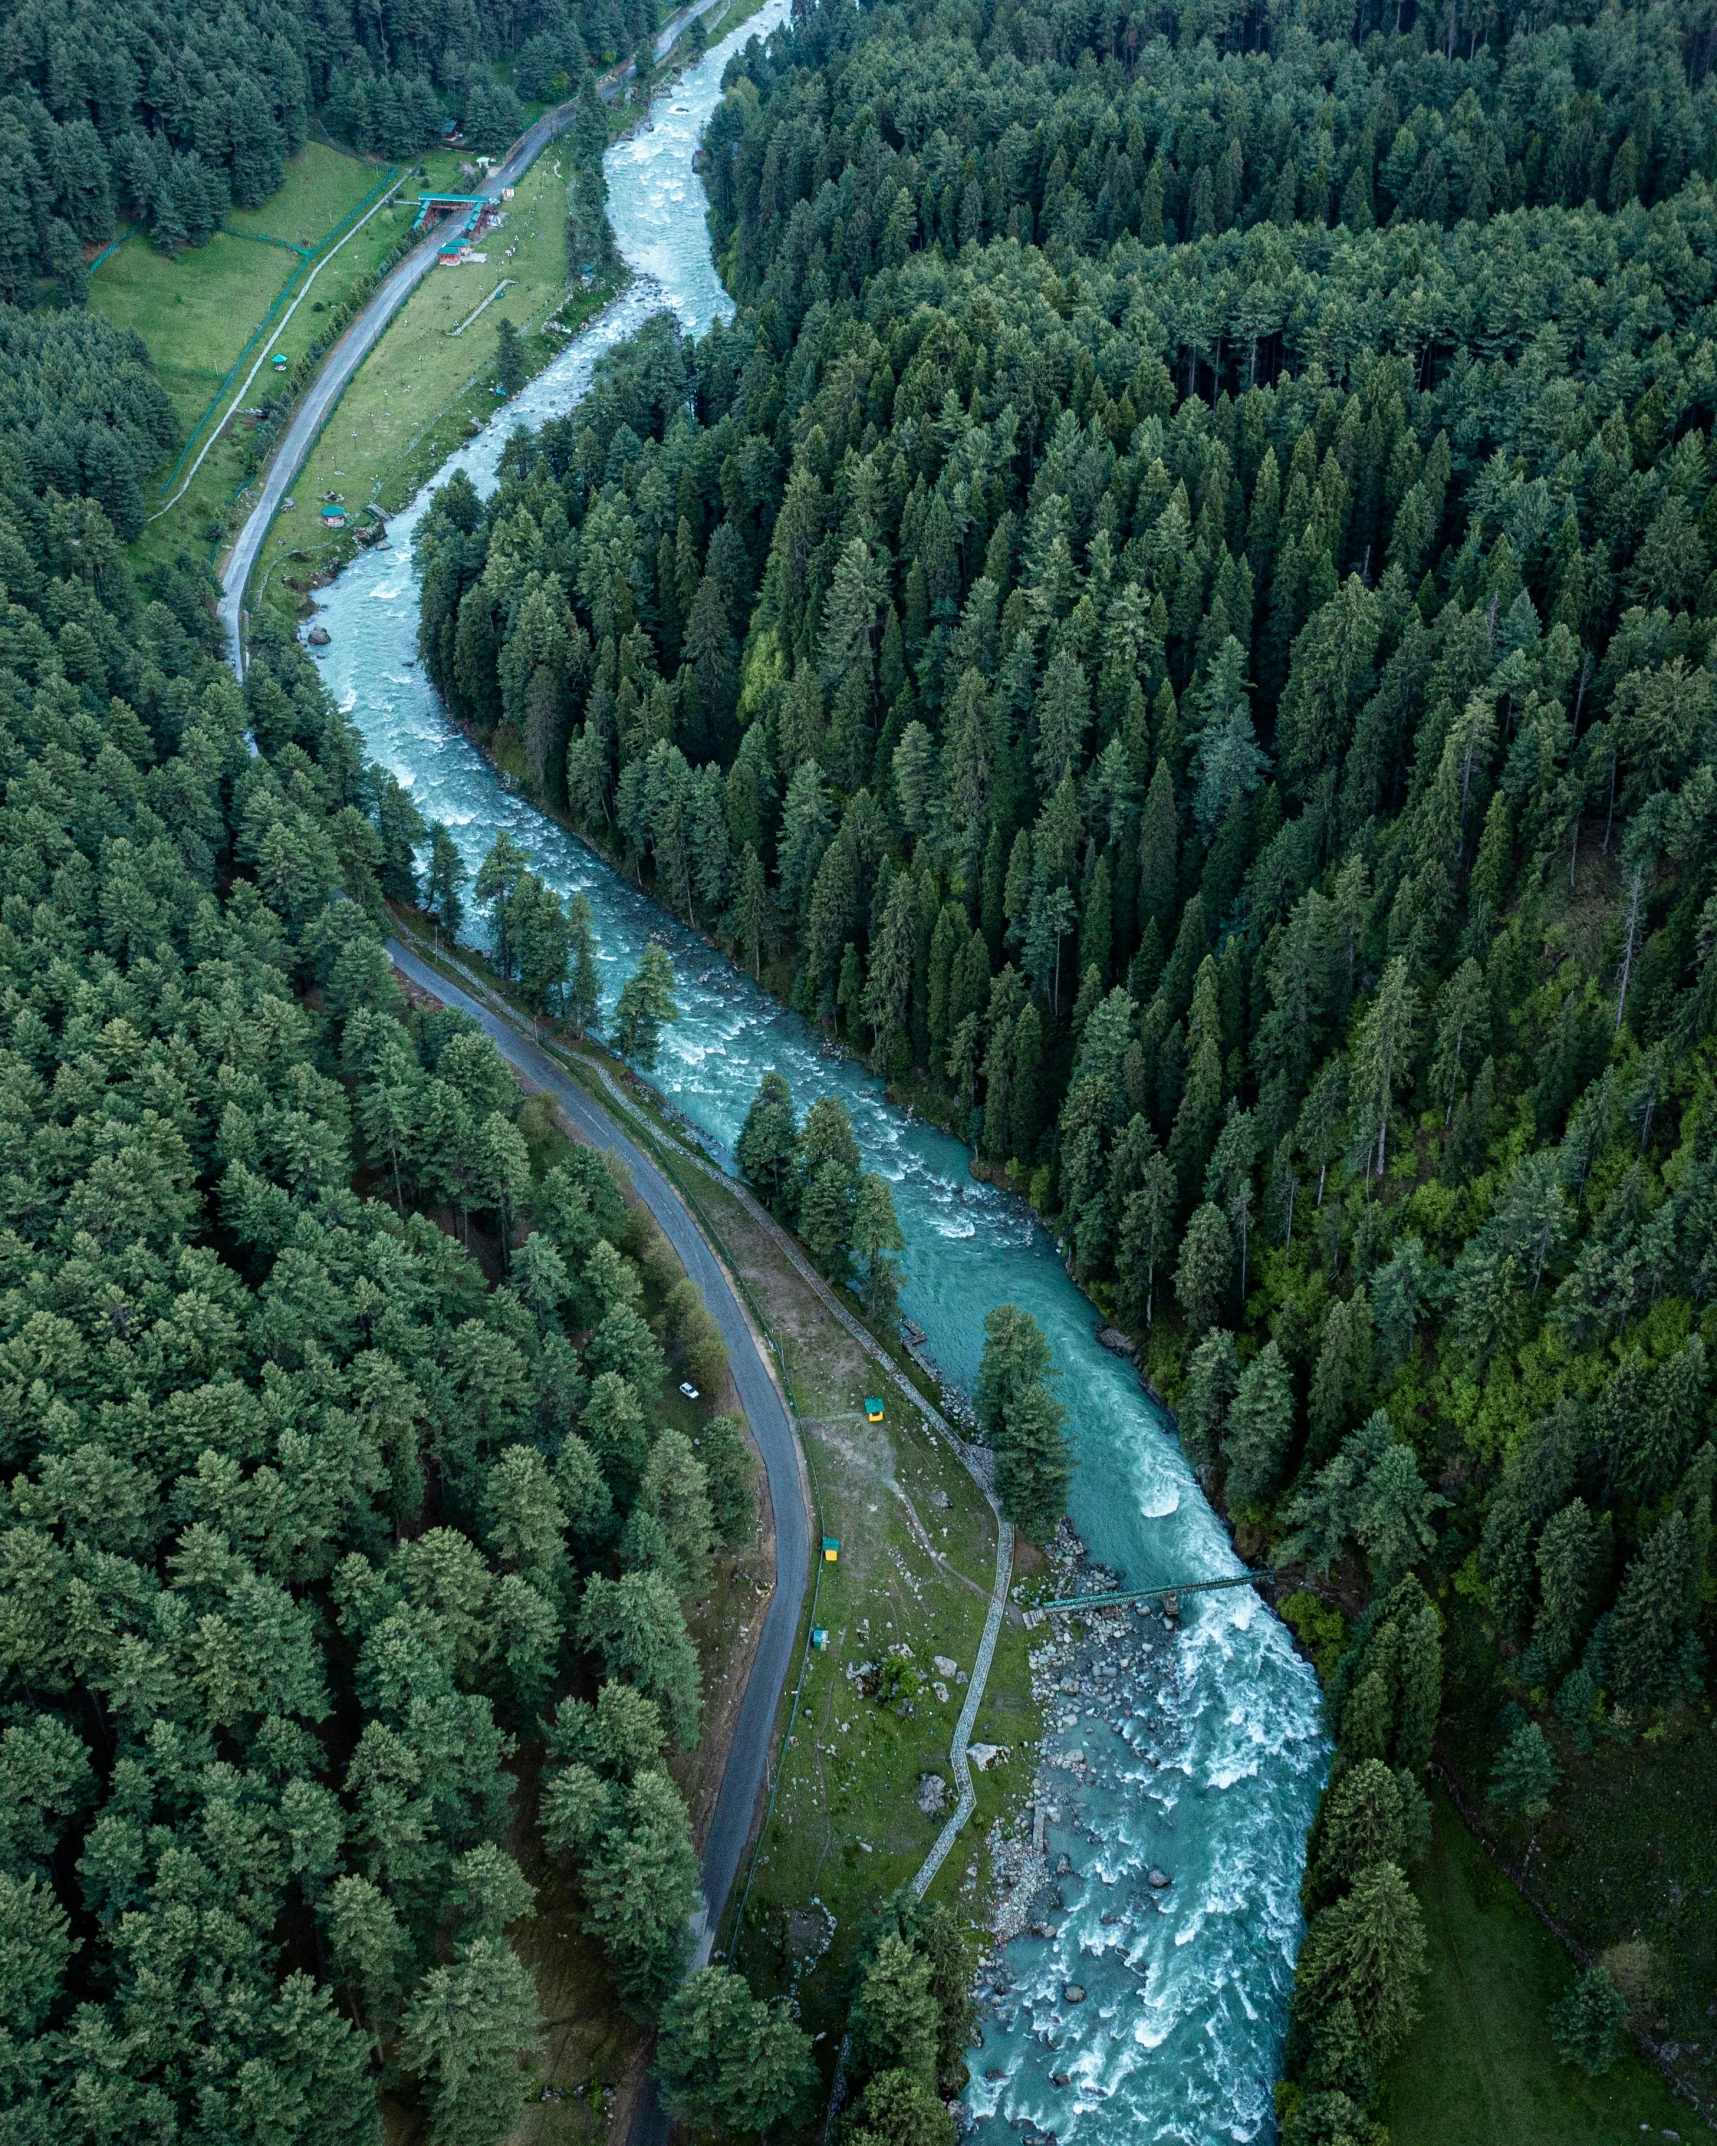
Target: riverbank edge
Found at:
x=1653, y=2052
x=608, y=85
x=671, y=1145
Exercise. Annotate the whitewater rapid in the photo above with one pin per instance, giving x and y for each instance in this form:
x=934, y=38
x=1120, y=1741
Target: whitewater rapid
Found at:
x=1206, y=1758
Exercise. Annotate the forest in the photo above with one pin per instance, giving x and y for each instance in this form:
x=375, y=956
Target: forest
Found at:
x=165, y=113
x=336, y=1480
x=1176, y=620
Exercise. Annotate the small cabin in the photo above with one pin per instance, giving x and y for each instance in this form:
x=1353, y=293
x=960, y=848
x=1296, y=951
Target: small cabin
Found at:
x=279, y=361
x=819, y=1637
x=872, y=1409
x=831, y=1549
x=333, y=517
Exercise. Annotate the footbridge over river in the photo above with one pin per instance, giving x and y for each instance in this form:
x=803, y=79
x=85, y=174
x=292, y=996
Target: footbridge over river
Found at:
x=1122, y=1597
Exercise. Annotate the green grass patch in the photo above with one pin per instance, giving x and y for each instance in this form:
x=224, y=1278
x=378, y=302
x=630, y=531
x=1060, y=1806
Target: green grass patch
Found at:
x=1481, y=2069
x=322, y=188
x=721, y=22
x=425, y=387
x=196, y=310
x=916, y=1565
x=208, y=313
x=1628, y=1853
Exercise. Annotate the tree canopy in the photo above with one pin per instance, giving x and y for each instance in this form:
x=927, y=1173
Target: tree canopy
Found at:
x=1177, y=620
x=326, y=1416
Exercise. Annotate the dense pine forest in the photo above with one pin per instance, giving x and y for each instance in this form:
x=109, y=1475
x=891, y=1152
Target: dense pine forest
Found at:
x=336, y=1489
x=168, y=112
x=1176, y=621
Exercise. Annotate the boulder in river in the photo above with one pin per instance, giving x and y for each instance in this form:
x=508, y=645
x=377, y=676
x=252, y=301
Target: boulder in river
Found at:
x=1157, y=1879
x=318, y=637
x=1112, y=1339
x=1074, y=1993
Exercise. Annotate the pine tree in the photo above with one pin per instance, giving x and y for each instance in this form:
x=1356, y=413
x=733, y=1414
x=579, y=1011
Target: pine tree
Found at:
x=1260, y=1428
x=447, y=875
x=1204, y=1273
x=1572, y=1552
x=893, y=2018
x=1463, y=1031
x=877, y=1236
x=1419, y=1672
x=1382, y=1052
x=899, y=2108
x=767, y=1147
x=1159, y=851
x=1525, y=1774
x=1025, y=1058
x=638, y=1888
x=827, y=1213
x=583, y=1002
x=497, y=882
x=1367, y=1950
x=1656, y=1436
x=1213, y=1377
x=1360, y=1822
x=1651, y=1614
x=1586, y=2022
x=1034, y=1463
x=465, y=2030
x=1021, y=1419
x=1147, y=1232
x=1341, y=1378
x=645, y=1007
x=1015, y=1359
x=729, y=2065
x=509, y=358
x=751, y=909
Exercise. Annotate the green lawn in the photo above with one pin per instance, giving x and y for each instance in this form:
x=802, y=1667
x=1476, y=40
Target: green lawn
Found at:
x=322, y=187
x=1628, y=1852
x=208, y=313
x=1481, y=2069
x=425, y=387
x=195, y=310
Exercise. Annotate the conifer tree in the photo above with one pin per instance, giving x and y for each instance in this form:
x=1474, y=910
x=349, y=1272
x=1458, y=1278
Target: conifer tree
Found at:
x=1260, y=1428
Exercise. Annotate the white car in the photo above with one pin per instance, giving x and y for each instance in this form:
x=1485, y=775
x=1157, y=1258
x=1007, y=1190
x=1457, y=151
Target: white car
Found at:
x=689, y=1390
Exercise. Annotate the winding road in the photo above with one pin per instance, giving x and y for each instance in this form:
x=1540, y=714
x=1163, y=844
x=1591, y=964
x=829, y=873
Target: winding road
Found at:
x=760, y=1397
x=745, y=1772
x=358, y=340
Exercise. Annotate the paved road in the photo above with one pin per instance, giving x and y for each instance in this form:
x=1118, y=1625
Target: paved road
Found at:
x=355, y=345
x=747, y=1759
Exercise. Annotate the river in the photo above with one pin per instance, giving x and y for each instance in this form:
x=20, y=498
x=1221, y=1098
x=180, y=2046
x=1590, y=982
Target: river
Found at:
x=1214, y=1770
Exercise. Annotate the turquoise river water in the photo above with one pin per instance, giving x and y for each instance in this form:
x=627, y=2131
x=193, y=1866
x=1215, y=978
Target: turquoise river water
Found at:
x=1212, y=1771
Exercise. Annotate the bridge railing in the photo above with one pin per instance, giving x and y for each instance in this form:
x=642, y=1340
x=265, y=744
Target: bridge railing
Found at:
x=1121, y=1597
